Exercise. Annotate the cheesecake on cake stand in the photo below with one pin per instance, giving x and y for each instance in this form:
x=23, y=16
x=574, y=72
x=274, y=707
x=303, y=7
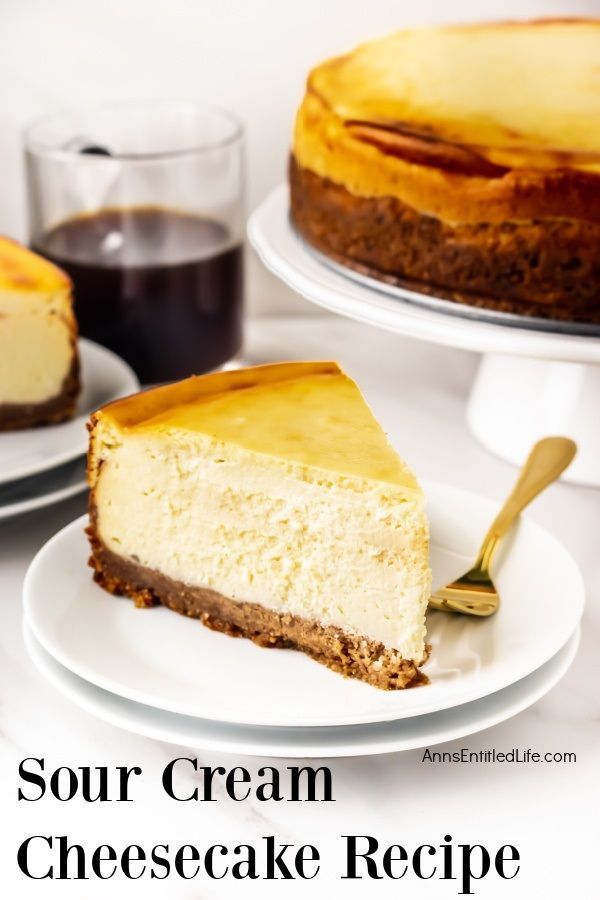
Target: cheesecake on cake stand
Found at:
x=444, y=183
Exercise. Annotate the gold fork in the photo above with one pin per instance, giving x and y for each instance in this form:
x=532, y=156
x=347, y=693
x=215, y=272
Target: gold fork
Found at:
x=474, y=593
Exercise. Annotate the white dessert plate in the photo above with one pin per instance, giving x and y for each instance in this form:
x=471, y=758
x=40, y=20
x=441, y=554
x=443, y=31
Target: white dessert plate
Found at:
x=408, y=312
x=352, y=740
x=162, y=659
x=44, y=489
x=104, y=377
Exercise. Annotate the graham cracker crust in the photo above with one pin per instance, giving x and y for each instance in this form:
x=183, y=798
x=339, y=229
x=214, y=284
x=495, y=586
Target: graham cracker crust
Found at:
x=349, y=655
x=548, y=268
x=15, y=416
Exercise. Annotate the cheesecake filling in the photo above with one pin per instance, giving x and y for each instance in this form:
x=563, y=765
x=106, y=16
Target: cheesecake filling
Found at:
x=36, y=348
x=339, y=550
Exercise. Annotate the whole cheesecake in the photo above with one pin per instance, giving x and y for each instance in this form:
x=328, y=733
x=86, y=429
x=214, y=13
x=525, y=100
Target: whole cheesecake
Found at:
x=268, y=503
x=460, y=161
x=39, y=363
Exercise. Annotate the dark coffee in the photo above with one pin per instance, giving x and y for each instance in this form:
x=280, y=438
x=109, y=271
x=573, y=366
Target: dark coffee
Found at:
x=162, y=289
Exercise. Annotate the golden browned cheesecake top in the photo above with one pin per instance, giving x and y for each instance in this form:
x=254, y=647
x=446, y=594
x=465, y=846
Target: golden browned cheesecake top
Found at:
x=310, y=413
x=504, y=115
x=21, y=270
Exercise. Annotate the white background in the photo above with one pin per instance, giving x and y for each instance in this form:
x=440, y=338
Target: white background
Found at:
x=250, y=56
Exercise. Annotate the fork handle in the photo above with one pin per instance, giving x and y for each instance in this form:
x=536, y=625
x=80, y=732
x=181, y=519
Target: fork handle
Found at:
x=547, y=459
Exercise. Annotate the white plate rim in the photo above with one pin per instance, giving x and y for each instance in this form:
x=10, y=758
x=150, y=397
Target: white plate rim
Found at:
x=478, y=690
x=10, y=510
x=321, y=742
x=283, y=252
x=128, y=384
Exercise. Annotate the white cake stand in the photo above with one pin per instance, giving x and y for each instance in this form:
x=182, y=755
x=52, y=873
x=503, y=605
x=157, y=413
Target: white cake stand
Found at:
x=536, y=378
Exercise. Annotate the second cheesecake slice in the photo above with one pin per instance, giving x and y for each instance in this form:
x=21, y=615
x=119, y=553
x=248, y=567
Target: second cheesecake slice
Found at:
x=268, y=503
x=39, y=362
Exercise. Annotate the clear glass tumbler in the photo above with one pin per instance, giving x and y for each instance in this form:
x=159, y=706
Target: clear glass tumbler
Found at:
x=142, y=205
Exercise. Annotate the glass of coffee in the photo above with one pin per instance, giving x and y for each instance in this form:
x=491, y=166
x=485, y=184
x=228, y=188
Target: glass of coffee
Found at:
x=142, y=205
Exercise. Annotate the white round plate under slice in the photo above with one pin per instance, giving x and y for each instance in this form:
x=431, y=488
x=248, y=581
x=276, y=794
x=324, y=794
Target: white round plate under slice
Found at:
x=104, y=377
x=43, y=489
x=350, y=740
x=157, y=657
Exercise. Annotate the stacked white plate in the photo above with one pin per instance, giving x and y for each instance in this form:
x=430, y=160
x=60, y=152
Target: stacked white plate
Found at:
x=168, y=677
x=41, y=466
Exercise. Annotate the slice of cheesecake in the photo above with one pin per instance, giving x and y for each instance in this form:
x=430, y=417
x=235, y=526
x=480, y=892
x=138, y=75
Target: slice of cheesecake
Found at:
x=268, y=503
x=39, y=365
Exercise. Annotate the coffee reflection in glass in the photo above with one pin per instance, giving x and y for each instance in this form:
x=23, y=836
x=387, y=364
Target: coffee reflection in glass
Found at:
x=142, y=205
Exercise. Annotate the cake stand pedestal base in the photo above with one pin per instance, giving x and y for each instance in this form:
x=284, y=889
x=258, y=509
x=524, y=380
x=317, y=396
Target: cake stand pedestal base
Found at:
x=515, y=401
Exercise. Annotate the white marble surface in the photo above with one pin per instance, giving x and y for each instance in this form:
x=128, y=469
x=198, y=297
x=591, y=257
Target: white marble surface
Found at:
x=548, y=810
